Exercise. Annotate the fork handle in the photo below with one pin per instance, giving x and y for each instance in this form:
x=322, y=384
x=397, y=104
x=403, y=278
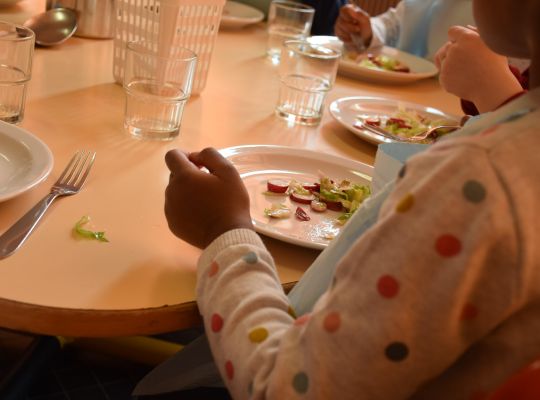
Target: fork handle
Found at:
x=15, y=236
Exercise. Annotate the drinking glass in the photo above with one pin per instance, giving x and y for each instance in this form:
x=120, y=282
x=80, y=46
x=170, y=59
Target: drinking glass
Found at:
x=307, y=73
x=157, y=87
x=287, y=20
x=16, y=51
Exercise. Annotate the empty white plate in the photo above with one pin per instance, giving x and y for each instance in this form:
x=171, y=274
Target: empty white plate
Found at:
x=25, y=161
x=237, y=15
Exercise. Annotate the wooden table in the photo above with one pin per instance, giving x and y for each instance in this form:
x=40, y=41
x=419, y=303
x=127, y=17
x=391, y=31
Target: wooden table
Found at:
x=143, y=281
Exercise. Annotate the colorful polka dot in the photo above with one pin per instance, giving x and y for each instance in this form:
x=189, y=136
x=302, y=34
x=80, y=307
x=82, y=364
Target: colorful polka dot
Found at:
x=302, y=320
x=258, y=335
x=387, y=286
x=216, y=323
x=474, y=191
x=402, y=171
x=250, y=258
x=405, y=204
x=396, y=351
x=300, y=383
x=447, y=246
x=229, y=370
x=332, y=322
x=468, y=312
x=214, y=268
x=291, y=312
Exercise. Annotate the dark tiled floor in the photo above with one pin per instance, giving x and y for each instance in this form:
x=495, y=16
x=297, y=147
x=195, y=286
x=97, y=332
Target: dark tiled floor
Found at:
x=75, y=374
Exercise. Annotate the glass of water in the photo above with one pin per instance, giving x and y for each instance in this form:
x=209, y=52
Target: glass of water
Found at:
x=157, y=88
x=16, y=52
x=287, y=20
x=307, y=73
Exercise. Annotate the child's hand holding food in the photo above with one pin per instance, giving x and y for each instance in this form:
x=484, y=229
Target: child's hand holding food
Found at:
x=353, y=21
x=471, y=71
x=201, y=205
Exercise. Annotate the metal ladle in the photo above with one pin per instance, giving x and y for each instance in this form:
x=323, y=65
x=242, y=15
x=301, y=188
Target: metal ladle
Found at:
x=54, y=26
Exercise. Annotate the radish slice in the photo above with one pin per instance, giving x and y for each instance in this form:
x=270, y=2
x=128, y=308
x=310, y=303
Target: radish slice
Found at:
x=277, y=185
x=333, y=205
x=312, y=187
x=301, y=214
x=318, y=206
x=302, y=198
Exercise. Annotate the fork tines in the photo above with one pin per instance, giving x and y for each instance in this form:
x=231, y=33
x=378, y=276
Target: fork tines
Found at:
x=78, y=169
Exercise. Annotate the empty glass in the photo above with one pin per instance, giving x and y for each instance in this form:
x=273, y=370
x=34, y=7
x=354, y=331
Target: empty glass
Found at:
x=157, y=88
x=307, y=73
x=287, y=20
x=16, y=51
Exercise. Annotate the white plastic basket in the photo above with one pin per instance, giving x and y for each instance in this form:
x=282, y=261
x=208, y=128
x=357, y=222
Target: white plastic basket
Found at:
x=167, y=25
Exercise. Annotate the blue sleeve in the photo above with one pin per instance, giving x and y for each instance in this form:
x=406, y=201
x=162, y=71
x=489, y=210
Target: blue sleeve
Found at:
x=326, y=13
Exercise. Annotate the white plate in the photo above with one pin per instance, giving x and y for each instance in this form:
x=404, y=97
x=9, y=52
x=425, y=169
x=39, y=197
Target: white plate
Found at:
x=347, y=110
x=237, y=15
x=257, y=164
x=420, y=68
x=25, y=161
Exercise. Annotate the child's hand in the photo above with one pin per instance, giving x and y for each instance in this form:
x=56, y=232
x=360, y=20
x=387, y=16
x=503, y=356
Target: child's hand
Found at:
x=470, y=70
x=352, y=20
x=200, y=206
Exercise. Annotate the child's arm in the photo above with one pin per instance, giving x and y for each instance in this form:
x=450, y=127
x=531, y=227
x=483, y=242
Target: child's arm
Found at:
x=408, y=299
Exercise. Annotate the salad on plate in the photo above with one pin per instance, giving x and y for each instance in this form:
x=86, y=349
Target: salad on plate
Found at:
x=380, y=62
x=403, y=123
x=343, y=197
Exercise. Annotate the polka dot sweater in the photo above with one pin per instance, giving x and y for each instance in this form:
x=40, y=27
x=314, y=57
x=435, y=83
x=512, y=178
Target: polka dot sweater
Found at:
x=440, y=299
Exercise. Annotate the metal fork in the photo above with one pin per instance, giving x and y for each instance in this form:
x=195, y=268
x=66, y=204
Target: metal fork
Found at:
x=70, y=182
x=421, y=136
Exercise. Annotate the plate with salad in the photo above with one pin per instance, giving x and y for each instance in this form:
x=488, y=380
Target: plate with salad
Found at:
x=300, y=196
x=386, y=65
x=398, y=118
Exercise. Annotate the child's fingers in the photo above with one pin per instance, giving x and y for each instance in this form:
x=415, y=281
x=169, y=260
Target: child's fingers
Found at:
x=441, y=55
x=214, y=161
x=455, y=33
x=178, y=161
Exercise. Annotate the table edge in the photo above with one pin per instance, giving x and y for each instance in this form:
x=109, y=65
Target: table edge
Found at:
x=69, y=322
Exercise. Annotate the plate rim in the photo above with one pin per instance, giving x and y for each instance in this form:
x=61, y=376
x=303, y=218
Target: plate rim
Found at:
x=34, y=144
x=350, y=68
x=370, y=136
x=365, y=169
x=235, y=21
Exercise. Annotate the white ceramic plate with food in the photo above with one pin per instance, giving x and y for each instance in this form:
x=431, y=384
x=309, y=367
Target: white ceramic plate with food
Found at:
x=258, y=164
x=419, y=68
x=237, y=15
x=25, y=161
x=349, y=110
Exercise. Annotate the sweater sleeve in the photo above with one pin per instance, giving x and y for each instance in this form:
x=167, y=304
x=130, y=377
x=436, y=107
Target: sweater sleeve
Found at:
x=387, y=27
x=436, y=273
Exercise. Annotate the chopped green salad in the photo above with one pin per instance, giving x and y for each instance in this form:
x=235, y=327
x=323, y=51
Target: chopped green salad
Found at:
x=324, y=195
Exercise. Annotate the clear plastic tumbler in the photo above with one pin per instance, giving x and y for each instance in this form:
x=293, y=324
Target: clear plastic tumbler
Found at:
x=307, y=73
x=157, y=88
x=16, y=52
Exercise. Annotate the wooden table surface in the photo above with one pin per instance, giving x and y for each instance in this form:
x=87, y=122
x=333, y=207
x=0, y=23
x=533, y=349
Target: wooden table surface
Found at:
x=143, y=281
